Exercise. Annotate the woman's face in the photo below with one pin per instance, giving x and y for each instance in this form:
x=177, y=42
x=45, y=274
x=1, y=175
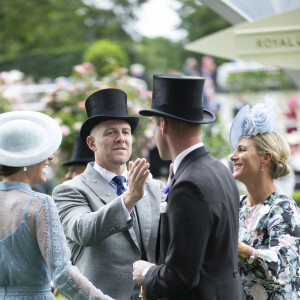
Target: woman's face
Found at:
x=246, y=161
x=37, y=173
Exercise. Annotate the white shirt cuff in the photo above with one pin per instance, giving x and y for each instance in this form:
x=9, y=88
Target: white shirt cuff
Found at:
x=145, y=271
x=126, y=212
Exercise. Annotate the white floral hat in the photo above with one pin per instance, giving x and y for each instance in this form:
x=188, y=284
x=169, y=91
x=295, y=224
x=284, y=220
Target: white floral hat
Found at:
x=249, y=122
x=27, y=138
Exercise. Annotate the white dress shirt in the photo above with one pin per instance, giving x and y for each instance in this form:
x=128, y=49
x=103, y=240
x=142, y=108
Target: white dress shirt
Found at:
x=108, y=176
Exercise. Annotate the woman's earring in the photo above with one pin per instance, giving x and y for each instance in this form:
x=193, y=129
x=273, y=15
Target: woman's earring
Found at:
x=25, y=169
x=262, y=168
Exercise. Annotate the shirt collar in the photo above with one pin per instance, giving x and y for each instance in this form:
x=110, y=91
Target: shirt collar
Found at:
x=107, y=175
x=183, y=154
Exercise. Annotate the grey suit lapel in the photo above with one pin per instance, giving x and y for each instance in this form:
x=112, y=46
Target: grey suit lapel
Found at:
x=100, y=187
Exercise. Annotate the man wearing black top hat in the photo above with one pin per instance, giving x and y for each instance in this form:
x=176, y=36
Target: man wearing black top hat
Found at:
x=110, y=215
x=81, y=156
x=197, y=245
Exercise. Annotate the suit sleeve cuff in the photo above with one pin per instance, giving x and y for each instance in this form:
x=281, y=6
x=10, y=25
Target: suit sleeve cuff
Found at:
x=145, y=271
x=125, y=210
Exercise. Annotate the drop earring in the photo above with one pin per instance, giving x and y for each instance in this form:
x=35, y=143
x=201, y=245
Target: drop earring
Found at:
x=262, y=168
x=25, y=169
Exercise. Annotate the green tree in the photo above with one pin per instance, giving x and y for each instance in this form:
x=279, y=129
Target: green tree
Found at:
x=199, y=20
x=106, y=56
x=33, y=25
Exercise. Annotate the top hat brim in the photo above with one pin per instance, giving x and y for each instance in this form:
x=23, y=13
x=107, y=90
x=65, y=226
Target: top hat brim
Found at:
x=91, y=122
x=208, y=116
x=76, y=162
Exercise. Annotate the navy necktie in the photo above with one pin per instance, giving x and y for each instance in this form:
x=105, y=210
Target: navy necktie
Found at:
x=120, y=180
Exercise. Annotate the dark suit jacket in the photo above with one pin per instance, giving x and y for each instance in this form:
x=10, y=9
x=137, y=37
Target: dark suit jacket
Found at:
x=197, y=251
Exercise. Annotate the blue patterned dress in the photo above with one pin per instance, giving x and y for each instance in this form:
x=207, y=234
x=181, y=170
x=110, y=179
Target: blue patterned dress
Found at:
x=272, y=228
x=33, y=249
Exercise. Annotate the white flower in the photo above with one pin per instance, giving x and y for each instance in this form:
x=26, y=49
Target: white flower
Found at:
x=163, y=207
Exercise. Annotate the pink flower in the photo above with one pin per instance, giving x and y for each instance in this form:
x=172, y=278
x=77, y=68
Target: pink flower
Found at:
x=79, y=69
x=47, y=99
x=65, y=130
x=145, y=151
x=81, y=104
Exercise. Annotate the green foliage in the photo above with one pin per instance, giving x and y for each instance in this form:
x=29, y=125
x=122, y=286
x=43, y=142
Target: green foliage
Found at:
x=46, y=64
x=259, y=80
x=199, y=20
x=106, y=56
x=296, y=196
x=214, y=140
x=160, y=55
x=32, y=24
x=5, y=104
x=33, y=30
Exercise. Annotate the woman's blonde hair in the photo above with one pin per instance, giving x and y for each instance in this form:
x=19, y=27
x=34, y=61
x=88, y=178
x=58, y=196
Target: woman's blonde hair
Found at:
x=276, y=144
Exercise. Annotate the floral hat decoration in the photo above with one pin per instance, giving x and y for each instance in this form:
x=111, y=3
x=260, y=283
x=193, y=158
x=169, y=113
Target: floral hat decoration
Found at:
x=249, y=122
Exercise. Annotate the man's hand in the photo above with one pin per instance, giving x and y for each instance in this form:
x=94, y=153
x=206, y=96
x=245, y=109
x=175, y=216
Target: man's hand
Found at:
x=138, y=268
x=138, y=173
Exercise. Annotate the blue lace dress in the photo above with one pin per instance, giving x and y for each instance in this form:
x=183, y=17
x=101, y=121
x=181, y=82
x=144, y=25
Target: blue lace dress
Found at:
x=272, y=228
x=33, y=249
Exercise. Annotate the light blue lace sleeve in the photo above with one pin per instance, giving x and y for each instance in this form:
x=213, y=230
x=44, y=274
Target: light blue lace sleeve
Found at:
x=52, y=242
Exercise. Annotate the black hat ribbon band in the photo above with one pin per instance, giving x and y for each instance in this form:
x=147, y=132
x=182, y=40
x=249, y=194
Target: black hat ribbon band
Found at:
x=195, y=113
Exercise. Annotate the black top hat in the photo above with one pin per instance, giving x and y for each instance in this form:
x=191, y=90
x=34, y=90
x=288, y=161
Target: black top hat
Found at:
x=179, y=97
x=103, y=105
x=81, y=154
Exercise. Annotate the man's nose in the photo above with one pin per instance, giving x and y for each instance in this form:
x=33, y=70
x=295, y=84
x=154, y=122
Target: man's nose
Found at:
x=120, y=137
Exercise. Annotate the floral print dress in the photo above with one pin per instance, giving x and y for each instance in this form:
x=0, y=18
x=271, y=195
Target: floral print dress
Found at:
x=272, y=228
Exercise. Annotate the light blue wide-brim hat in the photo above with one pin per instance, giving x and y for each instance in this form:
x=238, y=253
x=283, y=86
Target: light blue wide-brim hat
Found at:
x=27, y=138
x=250, y=122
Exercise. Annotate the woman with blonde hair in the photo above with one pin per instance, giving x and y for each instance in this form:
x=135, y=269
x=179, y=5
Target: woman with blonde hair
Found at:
x=269, y=225
x=33, y=248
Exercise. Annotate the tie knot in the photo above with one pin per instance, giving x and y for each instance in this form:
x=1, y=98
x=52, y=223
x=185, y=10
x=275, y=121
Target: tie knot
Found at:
x=120, y=180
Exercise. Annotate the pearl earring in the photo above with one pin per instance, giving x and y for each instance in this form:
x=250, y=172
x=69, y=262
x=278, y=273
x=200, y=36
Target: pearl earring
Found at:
x=25, y=169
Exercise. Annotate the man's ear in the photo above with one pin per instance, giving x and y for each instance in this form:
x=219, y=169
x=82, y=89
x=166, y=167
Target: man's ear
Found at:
x=164, y=125
x=90, y=140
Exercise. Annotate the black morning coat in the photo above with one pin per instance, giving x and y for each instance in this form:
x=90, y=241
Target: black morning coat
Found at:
x=198, y=236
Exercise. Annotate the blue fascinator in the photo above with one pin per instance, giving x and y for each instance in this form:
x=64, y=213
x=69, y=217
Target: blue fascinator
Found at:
x=249, y=122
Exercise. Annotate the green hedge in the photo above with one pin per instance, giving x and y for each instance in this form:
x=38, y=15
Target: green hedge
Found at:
x=296, y=196
x=259, y=80
x=45, y=64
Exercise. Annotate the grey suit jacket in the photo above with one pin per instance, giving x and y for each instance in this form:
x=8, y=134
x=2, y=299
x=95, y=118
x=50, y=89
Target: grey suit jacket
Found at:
x=102, y=244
